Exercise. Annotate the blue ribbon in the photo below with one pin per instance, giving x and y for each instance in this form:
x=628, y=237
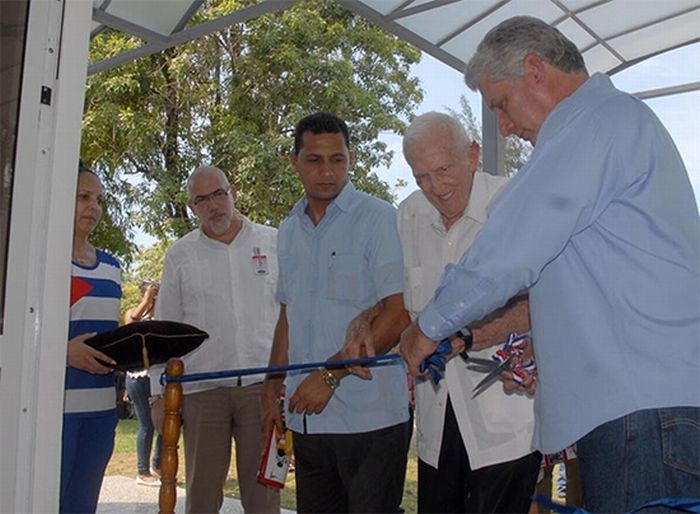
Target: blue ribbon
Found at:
x=379, y=360
x=691, y=505
x=435, y=362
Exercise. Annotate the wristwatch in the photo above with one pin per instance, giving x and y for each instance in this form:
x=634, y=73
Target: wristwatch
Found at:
x=329, y=378
x=467, y=336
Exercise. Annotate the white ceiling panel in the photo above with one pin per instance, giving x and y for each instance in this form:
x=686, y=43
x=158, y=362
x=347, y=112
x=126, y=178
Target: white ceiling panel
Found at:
x=600, y=59
x=620, y=16
x=464, y=45
x=384, y=6
x=450, y=30
x=436, y=24
x=160, y=16
x=576, y=33
x=666, y=34
x=579, y=5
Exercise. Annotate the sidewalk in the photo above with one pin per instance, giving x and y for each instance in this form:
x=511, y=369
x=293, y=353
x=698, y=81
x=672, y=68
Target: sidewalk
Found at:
x=121, y=495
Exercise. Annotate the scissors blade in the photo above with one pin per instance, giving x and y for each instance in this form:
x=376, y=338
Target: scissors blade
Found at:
x=478, y=368
x=491, y=377
x=488, y=363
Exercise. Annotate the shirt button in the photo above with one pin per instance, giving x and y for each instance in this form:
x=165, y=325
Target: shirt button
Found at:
x=449, y=243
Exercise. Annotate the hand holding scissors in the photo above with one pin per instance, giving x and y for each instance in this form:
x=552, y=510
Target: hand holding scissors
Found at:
x=513, y=362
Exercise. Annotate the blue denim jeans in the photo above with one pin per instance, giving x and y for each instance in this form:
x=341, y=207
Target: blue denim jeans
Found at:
x=644, y=456
x=139, y=390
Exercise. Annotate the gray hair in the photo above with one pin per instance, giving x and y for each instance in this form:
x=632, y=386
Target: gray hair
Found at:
x=426, y=123
x=212, y=170
x=501, y=53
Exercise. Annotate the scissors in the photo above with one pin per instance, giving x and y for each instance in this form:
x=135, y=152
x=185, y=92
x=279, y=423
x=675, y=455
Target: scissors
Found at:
x=493, y=369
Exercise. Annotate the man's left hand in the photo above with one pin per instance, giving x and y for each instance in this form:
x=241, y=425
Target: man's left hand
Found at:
x=415, y=347
x=359, y=343
x=525, y=384
x=311, y=396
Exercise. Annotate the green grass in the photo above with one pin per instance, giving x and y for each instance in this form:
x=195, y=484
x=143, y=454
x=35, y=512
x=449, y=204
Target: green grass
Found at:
x=123, y=463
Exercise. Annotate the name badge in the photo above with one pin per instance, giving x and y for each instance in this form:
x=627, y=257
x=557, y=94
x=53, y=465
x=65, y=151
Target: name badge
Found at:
x=259, y=262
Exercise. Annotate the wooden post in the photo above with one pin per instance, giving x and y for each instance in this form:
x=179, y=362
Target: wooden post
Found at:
x=171, y=436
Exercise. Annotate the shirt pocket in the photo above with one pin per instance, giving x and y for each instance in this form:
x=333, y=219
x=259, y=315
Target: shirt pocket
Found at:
x=347, y=278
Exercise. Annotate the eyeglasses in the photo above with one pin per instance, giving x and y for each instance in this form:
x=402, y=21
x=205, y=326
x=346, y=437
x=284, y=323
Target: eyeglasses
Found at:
x=214, y=195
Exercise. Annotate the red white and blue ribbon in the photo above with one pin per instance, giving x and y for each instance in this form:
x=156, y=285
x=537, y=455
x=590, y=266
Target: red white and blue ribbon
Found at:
x=516, y=344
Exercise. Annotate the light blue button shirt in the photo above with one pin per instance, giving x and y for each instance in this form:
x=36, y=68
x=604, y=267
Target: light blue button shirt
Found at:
x=602, y=226
x=329, y=273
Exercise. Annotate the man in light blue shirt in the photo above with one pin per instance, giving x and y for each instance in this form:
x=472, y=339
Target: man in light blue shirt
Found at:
x=602, y=228
x=340, y=272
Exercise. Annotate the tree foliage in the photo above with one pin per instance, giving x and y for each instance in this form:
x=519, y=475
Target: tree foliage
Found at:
x=517, y=151
x=149, y=266
x=231, y=99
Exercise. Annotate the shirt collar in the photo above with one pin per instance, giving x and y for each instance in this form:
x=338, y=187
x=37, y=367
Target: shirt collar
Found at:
x=246, y=223
x=564, y=109
x=476, y=209
x=345, y=201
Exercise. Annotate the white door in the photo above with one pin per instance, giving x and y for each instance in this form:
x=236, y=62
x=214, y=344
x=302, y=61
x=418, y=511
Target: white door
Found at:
x=44, y=62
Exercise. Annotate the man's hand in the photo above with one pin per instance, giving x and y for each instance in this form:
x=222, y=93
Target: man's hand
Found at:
x=312, y=395
x=272, y=412
x=457, y=347
x=528, y=384
x=359, y=343
x=415, y=347
x=84, y=357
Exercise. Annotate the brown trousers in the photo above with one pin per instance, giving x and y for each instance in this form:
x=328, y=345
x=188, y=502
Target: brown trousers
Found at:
x=210, y=420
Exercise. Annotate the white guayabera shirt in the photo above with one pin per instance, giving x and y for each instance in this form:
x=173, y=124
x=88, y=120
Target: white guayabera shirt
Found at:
x=228, y=290
x=495, y=427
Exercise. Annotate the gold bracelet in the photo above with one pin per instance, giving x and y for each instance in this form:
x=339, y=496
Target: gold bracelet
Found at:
x=329, y=378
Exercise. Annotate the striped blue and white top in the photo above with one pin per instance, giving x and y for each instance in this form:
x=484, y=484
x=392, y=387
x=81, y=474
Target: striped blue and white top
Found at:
x=94, y=307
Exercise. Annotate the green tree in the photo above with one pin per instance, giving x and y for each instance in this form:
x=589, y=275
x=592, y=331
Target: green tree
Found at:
x=232, y=98
x=517, y=151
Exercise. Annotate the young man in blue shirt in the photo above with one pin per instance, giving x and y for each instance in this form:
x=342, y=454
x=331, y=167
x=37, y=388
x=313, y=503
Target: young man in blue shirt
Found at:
x=341, y=275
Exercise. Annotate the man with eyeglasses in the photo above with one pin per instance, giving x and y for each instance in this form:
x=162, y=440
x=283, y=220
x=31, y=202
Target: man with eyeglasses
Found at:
x=221, y=277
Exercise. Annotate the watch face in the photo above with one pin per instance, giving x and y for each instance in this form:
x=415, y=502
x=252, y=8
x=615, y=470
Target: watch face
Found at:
x=330, y=379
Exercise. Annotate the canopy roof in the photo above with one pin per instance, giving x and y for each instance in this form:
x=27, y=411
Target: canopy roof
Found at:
x=611, y=34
